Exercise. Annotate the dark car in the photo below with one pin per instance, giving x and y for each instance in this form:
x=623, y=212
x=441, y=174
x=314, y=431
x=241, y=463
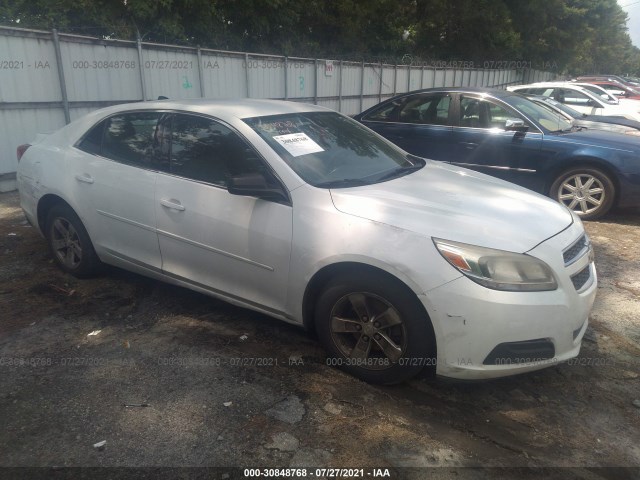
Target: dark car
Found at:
x=507, y=135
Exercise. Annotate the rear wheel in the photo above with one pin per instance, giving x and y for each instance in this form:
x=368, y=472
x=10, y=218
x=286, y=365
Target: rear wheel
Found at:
x=588, y=192
x=69, y=242
x=374, y=328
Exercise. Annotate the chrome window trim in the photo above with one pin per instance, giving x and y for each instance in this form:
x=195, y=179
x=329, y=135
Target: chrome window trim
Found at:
x=186, y=112
x=496, y=167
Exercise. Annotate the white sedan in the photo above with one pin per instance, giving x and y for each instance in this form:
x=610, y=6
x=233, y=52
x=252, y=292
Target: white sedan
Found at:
x=399, y=263
x=579, y=98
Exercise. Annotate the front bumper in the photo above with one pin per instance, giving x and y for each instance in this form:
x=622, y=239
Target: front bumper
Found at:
x=483, y=333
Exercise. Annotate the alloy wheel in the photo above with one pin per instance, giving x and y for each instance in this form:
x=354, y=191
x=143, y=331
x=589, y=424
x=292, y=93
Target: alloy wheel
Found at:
x=66, y=243
x=583, y=193
x=368, y=331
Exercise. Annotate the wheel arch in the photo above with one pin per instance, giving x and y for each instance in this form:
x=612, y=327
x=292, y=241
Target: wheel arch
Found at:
x=323, y=276
x=45, y=204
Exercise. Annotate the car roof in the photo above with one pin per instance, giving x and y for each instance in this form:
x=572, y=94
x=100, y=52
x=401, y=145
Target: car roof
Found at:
x=495, y=92
x=549, y=84
x=223, y=109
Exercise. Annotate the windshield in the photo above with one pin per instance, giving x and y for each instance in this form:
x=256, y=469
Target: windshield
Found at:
x=329, y=150
x=550, y=120
x=549, y=102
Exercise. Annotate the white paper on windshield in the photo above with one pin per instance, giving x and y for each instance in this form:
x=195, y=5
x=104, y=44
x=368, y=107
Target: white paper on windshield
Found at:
x=298, y=144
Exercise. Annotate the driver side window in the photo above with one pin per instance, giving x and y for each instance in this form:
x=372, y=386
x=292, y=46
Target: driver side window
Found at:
x=207, y=151
x=481, y=113
x=426, y=110
x=571, y=97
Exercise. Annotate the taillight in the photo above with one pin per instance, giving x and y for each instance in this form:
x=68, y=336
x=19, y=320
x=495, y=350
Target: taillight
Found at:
x=21, y=149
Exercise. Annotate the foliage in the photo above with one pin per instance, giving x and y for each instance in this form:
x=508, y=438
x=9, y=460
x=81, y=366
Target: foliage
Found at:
x=571, y=36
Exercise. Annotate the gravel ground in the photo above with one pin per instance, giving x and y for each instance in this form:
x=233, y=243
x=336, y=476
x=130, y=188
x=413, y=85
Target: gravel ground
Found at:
x=172, y=378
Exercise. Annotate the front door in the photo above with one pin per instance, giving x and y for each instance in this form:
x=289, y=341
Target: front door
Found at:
x=233, y=245
x=483, y=143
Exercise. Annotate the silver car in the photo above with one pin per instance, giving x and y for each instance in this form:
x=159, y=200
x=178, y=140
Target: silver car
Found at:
x=399, y=263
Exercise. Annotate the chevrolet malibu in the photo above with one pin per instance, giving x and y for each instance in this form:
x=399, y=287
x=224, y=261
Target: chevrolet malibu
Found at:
x=398, y=263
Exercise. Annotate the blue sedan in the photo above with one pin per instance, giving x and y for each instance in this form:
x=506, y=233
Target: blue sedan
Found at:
x=508, y=136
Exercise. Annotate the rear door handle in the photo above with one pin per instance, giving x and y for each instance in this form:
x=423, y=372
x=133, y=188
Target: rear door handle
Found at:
x=85, y=178
x=469, y=145
x=173, y=204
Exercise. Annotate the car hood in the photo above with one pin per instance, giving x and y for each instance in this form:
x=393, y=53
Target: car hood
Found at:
x=457, y=204
x=613, y=120
x=600, y=138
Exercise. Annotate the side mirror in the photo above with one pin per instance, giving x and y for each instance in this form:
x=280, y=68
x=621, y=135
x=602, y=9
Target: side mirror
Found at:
x=515, y=125
x=256, y=185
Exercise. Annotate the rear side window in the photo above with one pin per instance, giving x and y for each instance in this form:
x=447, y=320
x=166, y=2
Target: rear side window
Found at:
x=426, y=109
x=207, y=151
x=387, y=112
x=129, y=138
x=92, y=141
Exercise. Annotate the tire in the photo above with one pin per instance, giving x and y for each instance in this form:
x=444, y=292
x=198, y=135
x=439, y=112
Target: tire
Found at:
x=345, y=318
x=588, y=192
x=70, y=244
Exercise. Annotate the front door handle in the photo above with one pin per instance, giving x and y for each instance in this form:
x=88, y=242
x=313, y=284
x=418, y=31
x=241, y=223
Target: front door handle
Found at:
x=85, y=178
x=172, y=204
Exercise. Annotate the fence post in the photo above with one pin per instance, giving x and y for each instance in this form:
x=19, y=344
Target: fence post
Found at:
x=361, y=86
x=246, y=74
x=286, y=78
x=315, y=82
x=340, y=89
x=63, y=83
x=395, y=78
x=409, y=78
x=200, y=75
x=422, y=76
x=380, y=86
x=143, y=84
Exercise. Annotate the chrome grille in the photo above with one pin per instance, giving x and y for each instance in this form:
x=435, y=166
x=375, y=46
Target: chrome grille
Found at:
x=581, y=278
x=574, y=252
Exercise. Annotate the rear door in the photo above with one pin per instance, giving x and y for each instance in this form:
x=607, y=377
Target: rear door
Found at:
x=416, y=123
x=113, y=170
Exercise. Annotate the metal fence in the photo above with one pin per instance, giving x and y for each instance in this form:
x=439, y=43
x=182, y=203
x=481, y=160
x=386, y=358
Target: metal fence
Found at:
x=48, y=79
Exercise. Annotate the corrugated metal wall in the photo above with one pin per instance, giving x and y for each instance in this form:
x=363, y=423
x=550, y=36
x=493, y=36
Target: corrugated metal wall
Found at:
x=47, y=79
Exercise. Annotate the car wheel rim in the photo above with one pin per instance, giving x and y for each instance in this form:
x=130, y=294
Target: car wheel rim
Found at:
x=582, y=193
x=66, y=243
x=368, y=331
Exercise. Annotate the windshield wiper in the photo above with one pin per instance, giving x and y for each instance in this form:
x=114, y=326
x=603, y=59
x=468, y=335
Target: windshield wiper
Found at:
x=343, y=183
x=400, y=171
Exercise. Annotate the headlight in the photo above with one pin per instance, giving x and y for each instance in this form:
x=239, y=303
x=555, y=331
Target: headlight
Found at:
x=497, y=269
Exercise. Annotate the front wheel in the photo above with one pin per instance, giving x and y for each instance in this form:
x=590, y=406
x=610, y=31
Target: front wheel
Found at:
x=374, y=328
x=588, y=192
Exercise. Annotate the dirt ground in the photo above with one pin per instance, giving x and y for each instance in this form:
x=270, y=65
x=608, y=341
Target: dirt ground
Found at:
x=172, y=378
